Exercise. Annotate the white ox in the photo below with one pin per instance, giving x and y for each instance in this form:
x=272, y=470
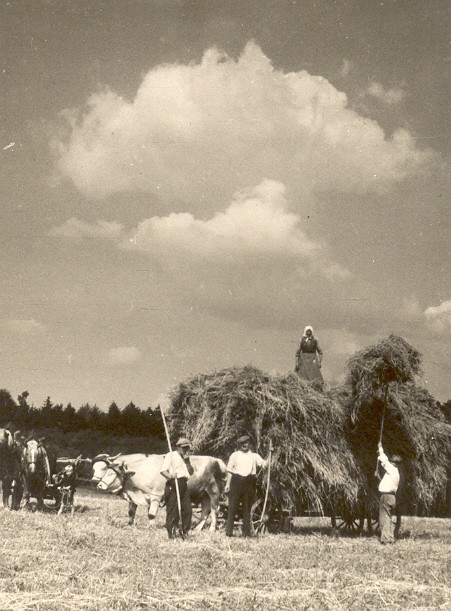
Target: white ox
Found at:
x=137, y=478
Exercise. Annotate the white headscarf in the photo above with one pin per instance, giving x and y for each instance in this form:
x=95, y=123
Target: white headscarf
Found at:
x=306, y=329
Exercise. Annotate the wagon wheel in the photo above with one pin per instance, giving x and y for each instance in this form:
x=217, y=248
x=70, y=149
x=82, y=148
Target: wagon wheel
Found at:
x=347, y=524
x=259, y=522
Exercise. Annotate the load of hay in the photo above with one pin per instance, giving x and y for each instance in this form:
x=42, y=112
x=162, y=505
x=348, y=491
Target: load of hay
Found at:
x=326, y=443
x=381, y=386
x=313, y=466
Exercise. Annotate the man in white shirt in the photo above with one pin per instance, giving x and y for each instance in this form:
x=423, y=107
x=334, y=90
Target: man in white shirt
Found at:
x=176, y=466
x=388, y=488
x=241, y=479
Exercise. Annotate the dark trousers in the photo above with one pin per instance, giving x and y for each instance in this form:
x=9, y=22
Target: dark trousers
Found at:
x=172, y=511
x=242, y=491
x=387, y=504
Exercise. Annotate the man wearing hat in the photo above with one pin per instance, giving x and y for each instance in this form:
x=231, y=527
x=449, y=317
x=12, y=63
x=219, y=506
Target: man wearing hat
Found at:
x=176, y=466
x=240, y=486
x=388, y=488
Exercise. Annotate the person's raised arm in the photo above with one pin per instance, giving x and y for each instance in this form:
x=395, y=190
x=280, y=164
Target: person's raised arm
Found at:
x=383, y=458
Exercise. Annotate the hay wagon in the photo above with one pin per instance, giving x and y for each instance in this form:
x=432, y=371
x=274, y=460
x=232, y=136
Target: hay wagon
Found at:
x=275, y=519
x=325, y=441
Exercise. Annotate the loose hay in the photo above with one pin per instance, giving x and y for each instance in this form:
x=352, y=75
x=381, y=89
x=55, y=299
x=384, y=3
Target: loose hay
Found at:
x=371, y=370
x=313, y=466
x=381, y=382
x=326, y=443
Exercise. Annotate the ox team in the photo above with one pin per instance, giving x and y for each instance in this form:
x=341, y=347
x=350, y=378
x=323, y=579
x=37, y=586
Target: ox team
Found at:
x=179, y=479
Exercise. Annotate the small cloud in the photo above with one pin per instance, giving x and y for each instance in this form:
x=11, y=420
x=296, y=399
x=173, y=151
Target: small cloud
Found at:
x=9, y=146
x=438, y=318
x=24, y=326
x=346, y=67
x=124, y=355
x=388, y=96
x=75, y=229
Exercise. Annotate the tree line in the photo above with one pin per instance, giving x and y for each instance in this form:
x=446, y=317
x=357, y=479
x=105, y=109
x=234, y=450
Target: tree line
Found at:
x=87, y=430
x=131, y=420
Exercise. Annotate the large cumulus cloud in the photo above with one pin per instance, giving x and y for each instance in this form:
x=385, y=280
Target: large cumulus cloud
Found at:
x=194, y=133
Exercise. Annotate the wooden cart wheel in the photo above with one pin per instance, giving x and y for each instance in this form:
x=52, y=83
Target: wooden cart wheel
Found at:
x=259, y=522
x=347, y=524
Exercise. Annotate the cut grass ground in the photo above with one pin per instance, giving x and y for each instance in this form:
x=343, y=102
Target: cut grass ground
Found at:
x=95, y=562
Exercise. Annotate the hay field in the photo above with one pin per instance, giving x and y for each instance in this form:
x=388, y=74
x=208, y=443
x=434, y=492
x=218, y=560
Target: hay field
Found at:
x=95, y=562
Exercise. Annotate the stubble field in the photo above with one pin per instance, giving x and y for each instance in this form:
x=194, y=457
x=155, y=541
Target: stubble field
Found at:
x=94, y=561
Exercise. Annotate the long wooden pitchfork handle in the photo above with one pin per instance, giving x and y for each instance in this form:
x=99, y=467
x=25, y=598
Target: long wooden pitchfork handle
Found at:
x=376, y=473
x=177, y=489
x=268, y=480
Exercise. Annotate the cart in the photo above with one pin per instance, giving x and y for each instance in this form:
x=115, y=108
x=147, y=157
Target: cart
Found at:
x=344, y=521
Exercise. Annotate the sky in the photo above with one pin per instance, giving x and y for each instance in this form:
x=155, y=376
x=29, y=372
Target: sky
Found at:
x=185, y=185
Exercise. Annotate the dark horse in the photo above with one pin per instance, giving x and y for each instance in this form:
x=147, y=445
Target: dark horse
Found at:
x=10, y=469
x=36, y=471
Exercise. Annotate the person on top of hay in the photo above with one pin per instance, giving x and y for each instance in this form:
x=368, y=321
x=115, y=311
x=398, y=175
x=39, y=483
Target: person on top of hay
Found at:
x=308, y=358
x=388, y=488
x=240, y=485
x=177, y=466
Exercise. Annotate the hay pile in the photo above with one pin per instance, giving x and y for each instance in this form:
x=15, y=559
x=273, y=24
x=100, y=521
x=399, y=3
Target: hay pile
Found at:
x=326, y=443
x=313, y=466
x=371, y=370
x=414, y=426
